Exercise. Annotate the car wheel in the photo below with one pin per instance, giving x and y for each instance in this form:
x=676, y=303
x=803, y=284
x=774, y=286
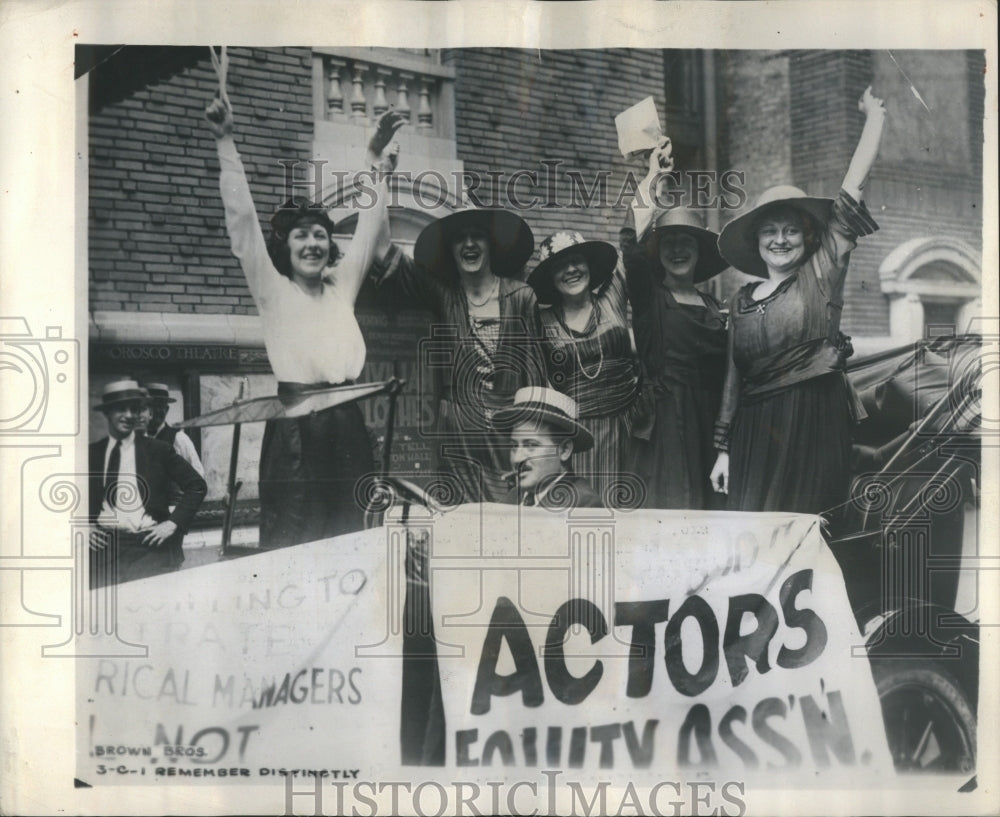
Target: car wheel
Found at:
x=929, y=723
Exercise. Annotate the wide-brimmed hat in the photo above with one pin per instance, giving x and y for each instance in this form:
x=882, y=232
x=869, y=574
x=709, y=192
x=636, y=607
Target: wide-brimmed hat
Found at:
x=550, y=406
x=297, y=209
x=685, y=220
x=510, y=238
x=600, y=255
x=158, y=392
x=121, y=391
x=738, y=241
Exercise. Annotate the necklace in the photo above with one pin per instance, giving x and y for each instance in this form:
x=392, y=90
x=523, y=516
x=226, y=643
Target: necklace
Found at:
x=489, y=296
x=600, y=361
x=595, y=315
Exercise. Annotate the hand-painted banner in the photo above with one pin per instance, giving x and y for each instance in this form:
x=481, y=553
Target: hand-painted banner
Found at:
x=247, y=671
x=643, y=646
x=676, y=643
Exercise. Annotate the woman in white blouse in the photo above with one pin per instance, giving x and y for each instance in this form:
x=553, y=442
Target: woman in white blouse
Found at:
x=305, y=293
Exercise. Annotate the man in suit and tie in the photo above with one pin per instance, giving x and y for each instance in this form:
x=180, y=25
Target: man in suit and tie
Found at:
x=131, y=475
x=544, y=433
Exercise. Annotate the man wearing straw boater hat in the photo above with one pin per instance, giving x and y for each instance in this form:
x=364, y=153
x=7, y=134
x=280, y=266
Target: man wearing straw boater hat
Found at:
x=136, y=534
x=159, y=429
x=544, y=435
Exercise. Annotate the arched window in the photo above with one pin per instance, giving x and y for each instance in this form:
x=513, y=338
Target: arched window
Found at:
x=934, y=284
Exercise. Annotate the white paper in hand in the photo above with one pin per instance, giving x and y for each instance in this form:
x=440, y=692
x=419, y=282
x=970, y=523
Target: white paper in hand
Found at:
x=638, y=127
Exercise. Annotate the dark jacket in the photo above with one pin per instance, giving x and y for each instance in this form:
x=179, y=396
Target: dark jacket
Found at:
x=572, y=492
x=157, y=465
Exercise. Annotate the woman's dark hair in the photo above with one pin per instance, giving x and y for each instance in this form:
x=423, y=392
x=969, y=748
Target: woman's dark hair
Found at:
x=277, y=248
x=810, y=229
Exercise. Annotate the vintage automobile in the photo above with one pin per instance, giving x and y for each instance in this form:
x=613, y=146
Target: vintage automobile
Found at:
x=902, y=541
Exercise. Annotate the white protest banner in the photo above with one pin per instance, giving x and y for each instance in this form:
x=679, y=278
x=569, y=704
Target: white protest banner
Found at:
x=282, y=663
x=652, y=643
x=633, y=650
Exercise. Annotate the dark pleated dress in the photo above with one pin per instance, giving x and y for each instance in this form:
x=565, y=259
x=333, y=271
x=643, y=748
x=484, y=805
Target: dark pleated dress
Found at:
x=787, y=395
x=479, y=365
x=597, y=368
x=309, y=468
x=683, y=353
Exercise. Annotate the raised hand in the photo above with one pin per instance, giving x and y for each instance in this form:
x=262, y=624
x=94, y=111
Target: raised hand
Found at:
x=870, y=104
x=220, y=118
x=385, y=129
x=662, y=156
x=867, y=149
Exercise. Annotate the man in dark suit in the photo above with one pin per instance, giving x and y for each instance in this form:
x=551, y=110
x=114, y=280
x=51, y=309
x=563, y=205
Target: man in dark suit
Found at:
x=158, y=428
x=136, y=534
x=544, y=433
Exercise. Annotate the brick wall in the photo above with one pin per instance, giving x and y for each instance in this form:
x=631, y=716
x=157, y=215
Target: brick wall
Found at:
x=157, y=235
x=825, y=126
x=927, y=180
x=754, y=118
x=754, y=128
x=515, y=108
x=792, y=117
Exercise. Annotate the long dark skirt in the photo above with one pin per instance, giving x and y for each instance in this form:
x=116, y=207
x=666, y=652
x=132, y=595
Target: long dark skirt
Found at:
x=791, y=451
x=675, y=463
x=309, y=467
x=475, y=456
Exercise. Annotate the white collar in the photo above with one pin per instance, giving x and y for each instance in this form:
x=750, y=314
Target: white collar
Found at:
x=540, y=495
x=125, y=441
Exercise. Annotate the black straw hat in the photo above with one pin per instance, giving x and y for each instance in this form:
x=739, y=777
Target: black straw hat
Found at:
x=510, y=239
x=600, y=255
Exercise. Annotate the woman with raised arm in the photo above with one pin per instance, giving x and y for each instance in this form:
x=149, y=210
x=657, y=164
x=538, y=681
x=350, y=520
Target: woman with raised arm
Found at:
x=305, y=293
x=588, y=351
x=485, y=341
x=784, y=430
x=680, y=334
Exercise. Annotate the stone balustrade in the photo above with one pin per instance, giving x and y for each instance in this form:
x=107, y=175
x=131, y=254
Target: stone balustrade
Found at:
x=360, y=84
